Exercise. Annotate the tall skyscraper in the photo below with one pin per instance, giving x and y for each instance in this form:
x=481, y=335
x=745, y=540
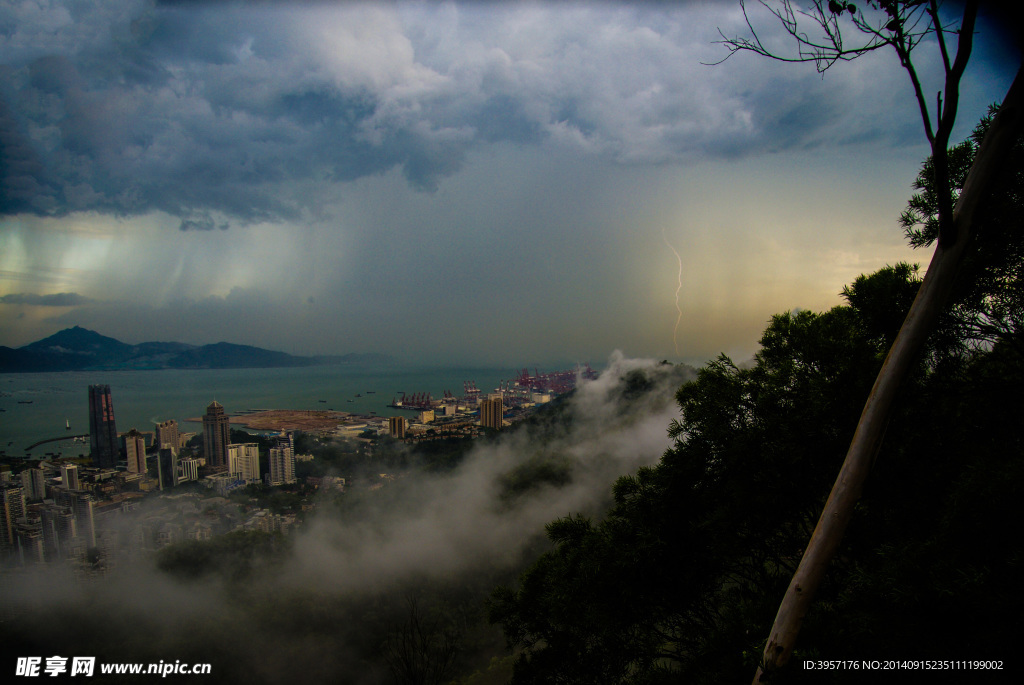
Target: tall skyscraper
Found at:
x=167, y=435
x=135, y=449
x=216, y=435
x=102, y=431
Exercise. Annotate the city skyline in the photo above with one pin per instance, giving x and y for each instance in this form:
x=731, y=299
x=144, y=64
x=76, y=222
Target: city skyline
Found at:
x=476, y=182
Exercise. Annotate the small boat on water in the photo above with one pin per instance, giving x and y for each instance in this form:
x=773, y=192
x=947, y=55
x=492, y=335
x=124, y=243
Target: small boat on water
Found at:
x=67, y=424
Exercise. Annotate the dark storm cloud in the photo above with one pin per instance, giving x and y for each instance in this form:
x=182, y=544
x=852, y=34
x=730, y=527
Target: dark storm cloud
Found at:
x=172, y=121
x=54, y=300
x=503, y=117
x=23, y=184
x=245, y=111
x=202, y=222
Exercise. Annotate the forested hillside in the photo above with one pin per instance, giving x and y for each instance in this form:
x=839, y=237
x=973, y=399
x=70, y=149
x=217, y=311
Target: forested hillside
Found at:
x=681, y=580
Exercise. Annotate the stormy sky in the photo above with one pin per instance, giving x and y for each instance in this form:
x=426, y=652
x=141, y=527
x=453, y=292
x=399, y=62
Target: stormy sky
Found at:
x=497, y=182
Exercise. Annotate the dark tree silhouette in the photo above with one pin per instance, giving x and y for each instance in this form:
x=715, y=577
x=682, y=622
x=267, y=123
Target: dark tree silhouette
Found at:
x=903, y=26
x=421, y=649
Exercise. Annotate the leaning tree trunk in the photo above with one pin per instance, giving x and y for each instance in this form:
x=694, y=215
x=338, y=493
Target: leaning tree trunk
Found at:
x=929, y=303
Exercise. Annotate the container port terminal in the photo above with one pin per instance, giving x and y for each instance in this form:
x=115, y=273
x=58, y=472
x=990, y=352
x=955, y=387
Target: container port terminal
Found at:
x=523, y=389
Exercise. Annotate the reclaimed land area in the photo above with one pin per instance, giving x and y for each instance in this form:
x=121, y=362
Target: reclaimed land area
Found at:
x=309, y=420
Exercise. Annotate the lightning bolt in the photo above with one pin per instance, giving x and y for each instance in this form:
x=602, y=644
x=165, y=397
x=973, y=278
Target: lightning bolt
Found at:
x=675, y=331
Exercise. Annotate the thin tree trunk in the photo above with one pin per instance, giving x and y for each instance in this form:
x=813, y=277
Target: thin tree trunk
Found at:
x=929, y=303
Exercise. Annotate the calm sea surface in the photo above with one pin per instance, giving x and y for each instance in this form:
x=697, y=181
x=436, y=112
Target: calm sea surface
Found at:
x=36, y=405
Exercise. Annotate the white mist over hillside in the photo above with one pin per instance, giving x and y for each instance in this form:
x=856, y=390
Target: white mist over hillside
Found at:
x=456, y=522
x=452, y=529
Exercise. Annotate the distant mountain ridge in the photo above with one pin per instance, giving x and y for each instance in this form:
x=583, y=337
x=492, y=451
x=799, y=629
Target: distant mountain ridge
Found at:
x=80, y=349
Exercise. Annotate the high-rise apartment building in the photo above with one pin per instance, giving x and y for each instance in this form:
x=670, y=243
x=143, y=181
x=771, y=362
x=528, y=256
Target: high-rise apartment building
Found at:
x=82, y=506
x=12, y=508
x=282, y=466
x=167, y=468
x=282, y=461
x=33, y=482
x=216, y=435
x=286, y=440
x=396, y=426
x=490, y=413
x=28, y=533
x=69, y=476
x=85, y=521
x=167, y=435
x=189, y=469
x=244, y=461
x=135, y=449
x=102, y=431
x=59, y=529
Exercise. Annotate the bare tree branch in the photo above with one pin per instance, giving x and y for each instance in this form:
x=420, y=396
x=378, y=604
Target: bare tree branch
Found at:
x=830, y=48
x=933, y=10
x=947, y=117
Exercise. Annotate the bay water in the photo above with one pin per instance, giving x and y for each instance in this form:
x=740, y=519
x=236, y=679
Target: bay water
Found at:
x=39, y=406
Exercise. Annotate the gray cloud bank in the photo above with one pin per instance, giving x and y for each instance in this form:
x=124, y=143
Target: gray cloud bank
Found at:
x=313, y=613
x=52, y=300
x=220, y=112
